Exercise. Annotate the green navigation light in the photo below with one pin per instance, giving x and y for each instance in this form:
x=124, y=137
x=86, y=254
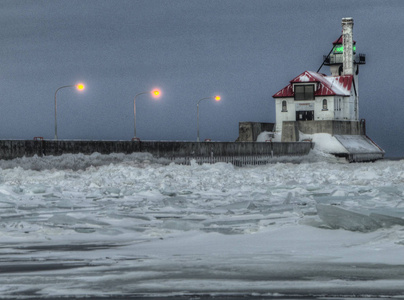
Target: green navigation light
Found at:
x=340, y=49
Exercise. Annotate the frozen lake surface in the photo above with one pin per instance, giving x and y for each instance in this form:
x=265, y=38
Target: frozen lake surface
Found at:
x=129, y=225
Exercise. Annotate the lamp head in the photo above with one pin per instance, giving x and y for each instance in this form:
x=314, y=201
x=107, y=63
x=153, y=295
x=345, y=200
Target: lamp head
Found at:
x=217, y=98
x=80, y=86
x=156, y=93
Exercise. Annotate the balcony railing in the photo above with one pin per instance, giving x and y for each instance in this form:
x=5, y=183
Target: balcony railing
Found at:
x=359, y=59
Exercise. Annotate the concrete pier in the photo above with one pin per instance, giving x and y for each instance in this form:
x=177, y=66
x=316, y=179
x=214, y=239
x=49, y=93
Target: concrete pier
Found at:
x=10, y=149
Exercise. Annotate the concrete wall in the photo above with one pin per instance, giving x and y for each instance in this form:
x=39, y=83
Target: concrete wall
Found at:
x=331, y=127
x=290, y=130
x=10, y=149
x=249, y=131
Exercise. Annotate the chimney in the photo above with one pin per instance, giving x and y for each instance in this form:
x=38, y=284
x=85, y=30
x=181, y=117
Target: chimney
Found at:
x=347, y=40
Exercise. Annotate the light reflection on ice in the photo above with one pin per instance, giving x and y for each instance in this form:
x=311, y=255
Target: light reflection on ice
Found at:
x=148, y=226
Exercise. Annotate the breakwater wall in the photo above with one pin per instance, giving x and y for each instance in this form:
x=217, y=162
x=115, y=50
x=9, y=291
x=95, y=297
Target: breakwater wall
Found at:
x=10, y=149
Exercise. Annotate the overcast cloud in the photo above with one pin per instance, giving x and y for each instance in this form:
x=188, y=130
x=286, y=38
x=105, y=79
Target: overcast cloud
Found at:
x=243, y=50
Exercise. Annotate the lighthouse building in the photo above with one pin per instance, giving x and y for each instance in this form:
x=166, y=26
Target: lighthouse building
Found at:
x=323, y=109
x=314, y=103
x=314, y=96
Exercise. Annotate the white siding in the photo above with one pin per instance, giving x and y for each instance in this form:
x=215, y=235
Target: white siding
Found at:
x=319, y=112
x=338, y=108
x=289, y=115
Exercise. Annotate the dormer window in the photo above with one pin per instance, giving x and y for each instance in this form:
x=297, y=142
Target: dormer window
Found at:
x=304, y=92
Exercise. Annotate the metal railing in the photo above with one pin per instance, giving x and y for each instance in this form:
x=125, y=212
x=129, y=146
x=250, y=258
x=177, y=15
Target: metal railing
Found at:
x=359, y=59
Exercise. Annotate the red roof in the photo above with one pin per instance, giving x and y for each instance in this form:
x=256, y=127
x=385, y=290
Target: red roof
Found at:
x=327, y=85
x=340, y=41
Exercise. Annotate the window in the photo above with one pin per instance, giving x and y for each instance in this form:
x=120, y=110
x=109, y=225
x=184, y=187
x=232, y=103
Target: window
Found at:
x=325, y=106
x=284, y=106
x=337, y=104
x=304, y=92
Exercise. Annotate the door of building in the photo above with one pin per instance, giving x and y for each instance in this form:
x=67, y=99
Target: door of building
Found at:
x=305, y=115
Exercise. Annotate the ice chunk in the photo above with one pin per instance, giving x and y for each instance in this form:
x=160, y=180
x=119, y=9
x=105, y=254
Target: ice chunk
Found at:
x=288, y=198
x=237, y=206
x=113, y=192
x=175, y=201
x=38, y=189
x=63, y=220
x=386, y=220
x=182, y=225
x=336, y=217
x=338, y=193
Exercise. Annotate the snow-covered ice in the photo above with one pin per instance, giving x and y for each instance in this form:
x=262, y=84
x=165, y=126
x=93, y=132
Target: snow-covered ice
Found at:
x=108, y=225
x=324, y=142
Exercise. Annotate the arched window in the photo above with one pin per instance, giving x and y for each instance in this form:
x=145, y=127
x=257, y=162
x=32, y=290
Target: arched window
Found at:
x=284, y=106
x=325, y=105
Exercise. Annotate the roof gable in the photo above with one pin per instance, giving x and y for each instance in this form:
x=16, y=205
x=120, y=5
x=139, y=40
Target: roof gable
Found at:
x=307, y=76
x=326, y=85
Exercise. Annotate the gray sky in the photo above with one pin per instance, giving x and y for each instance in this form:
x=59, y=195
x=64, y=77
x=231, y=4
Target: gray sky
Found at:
x=243, y=50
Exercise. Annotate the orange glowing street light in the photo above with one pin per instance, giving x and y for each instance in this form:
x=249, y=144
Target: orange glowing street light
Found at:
x=155, y=93
x=217, y=98
x=79, y=87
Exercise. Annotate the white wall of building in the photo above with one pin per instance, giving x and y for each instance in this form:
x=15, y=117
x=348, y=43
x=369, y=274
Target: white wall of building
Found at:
x=288, y=115
x=320, y=113
x=342, y=108
x=338, y=108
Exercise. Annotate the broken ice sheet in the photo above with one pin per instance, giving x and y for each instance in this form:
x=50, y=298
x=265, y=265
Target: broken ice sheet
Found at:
x=336, y=217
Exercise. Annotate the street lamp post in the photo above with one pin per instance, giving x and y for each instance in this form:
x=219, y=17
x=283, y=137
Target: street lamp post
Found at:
x=155, y=93
x=217, y=98
x=78, y=86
